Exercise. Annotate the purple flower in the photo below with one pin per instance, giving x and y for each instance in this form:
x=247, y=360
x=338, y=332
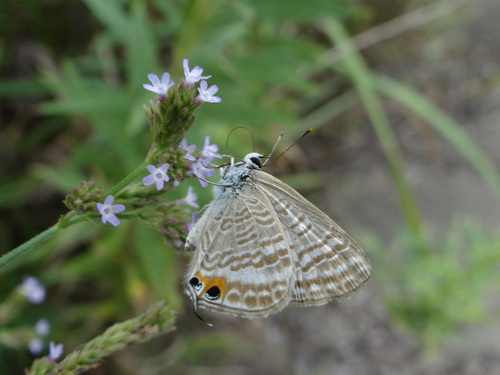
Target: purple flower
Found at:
x=207, y=94
x=158, y=176
x=159, y=88
x=194, y=217
x=200, y=170
x=42, y=327
x=194, y=75
x=55, y=351
x=108, y=210
x=190, y=198
x=209, y=151
x=35, y=346
x=189, y=149
x=33, y=290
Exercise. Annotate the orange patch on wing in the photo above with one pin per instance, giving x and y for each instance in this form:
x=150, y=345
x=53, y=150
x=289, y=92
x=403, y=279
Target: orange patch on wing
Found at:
x=211, y=282
x=218, y=282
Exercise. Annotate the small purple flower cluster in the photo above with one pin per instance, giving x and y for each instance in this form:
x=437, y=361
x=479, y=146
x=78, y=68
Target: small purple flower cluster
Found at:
x=199, y=165
x=34, y=292
x=161, y=87
x=158, y=176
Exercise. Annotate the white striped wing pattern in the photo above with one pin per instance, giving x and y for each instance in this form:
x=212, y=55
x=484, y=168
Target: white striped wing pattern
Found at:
x=260, y=245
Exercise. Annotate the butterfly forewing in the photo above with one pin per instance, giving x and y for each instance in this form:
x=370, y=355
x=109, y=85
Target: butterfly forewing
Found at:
x=329, y=264
x=243, y=263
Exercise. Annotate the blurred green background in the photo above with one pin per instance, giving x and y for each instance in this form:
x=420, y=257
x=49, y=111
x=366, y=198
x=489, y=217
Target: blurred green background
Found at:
x=403, y=98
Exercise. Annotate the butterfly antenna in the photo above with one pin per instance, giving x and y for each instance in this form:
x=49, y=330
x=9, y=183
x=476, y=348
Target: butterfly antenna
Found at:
x=201, y=318
x=240, y=127
x=288, y=148
x=274, y=147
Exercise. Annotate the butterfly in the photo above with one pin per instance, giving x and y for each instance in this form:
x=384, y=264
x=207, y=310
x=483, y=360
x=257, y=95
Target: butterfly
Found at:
x=260, y=246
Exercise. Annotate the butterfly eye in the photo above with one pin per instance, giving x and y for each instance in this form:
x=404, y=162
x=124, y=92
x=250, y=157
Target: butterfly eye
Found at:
x=195, y=283
x=213, y=293
x=256, y=161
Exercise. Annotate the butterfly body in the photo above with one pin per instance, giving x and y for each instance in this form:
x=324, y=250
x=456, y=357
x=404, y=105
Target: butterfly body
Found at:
x=260, y=245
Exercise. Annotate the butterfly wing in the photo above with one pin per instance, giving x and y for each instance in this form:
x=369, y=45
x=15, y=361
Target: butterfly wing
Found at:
x=329, y=263
x=242, y=264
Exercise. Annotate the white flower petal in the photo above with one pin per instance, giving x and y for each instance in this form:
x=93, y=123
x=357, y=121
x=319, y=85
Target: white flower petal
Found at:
x=148, y=180
x=109, y=200
x=113, y=220
x=117, y=208
x=154, y=79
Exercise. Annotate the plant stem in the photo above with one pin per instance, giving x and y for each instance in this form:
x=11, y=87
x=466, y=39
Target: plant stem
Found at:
x=127, y=180
x=69, y=219
x=63, y=222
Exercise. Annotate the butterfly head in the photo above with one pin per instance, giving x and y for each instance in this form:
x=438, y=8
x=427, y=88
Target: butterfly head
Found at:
x=234, y=173
x=254, y=160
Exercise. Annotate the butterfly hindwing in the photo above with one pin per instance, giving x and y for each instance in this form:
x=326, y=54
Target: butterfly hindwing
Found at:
x=242, y=262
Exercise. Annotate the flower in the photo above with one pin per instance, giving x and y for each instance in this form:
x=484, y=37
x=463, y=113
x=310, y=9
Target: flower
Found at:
x=33, y=290
x=209, y=151
x=35, y=346
x=42, y=327
x=194, y=75
x=190, y=198
x=207, y=95
x=188, y=149
x=200, y=170
x=194, y=217
x=108, y=210
x=158, y=176
x=159, y=88
x=55, y=351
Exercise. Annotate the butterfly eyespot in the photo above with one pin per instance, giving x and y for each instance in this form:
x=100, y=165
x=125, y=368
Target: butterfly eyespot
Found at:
x=213, y=293
x=195, y=283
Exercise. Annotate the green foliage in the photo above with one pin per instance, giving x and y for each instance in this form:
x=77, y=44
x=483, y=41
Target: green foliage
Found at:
x=435, y=295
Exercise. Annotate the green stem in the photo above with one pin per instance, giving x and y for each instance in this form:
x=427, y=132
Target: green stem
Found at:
x=65, y=221
x=69, y=219
x=127, y=180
